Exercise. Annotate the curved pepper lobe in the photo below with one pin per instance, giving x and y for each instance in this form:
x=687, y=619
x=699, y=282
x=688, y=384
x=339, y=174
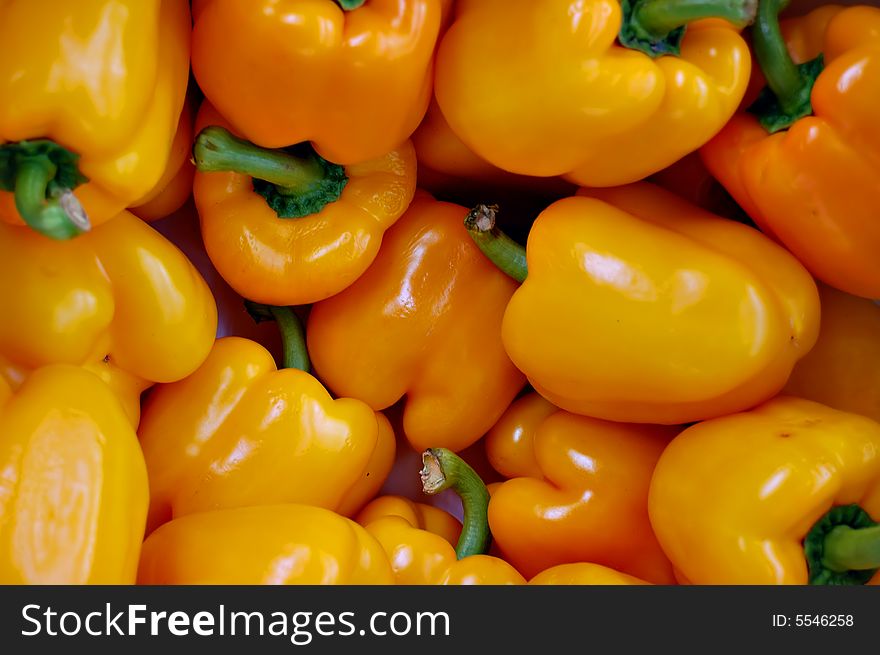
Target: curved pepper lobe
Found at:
x=579, y=510
x=584, y=573
x=481, y=570
x=121, y=300
x=270, y=544
x=417, y=556
x=510, y=442
x=418, y=540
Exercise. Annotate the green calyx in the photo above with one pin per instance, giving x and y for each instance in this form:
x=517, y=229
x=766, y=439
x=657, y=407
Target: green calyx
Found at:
x=772, y=116
x=657, y=27
x=500, y=249
x=43, y=175
x=293, y=336
x=442, y=469
x=295, y=182
x=843, y=547
x=786, y=98
x=350, y=5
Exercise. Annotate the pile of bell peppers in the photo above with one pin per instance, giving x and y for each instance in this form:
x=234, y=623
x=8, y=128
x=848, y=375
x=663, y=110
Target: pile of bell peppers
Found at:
x=439, y=292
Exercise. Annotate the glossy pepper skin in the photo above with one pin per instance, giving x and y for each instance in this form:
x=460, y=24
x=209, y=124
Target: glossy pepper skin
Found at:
x=300, y=260
x=680, y=315
x=446, y=163
x=579, y=510
x=121, y=301
x=510, y=443
x=733, y=498
x=419, y=541
x=176, y=184
x=104, y=79
x=274, y=544
x=583, y=573
x=238, y=432
x=423, y=322
x=843, y=368
x=74, y=494
x=815, y=186
x=548, y=91
x=355, y=83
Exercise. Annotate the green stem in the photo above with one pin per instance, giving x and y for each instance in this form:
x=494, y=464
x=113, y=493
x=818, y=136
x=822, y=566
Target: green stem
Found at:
x=293, y=185
x=852, y=549
x=42, y=176
x=350, y=5
x=504, y=252
x=843, y=547
x=657, y=27
x=660, y=17
x=443, y=470
x=295, y=354
x=780, y=71
x=217, y=150
x=787, y=96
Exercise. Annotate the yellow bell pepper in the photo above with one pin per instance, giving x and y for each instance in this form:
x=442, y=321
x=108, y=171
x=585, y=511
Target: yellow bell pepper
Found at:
x=238, y=432
x=418, y=538
x=603, y=91
x=121, y=300
x=640, y=307
x=73, y=489
x=843, y=368
x=784, y=494
x=90, y=96
x=274, y=544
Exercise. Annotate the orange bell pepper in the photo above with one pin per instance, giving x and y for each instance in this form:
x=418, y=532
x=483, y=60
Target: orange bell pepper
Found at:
x=803, y=162
x=843, y=368
x=424, y=321
x=354, y=80
x=548, y=90
x=418, y=538
x=275, y=544
x=292, y=229
x=175, y=186
x=687, y=316
x=578, y=510
x=782, y=494
x=582, y=573
x=73, y=494
x=121, y=300
x=238, y=432
x=90, y=96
